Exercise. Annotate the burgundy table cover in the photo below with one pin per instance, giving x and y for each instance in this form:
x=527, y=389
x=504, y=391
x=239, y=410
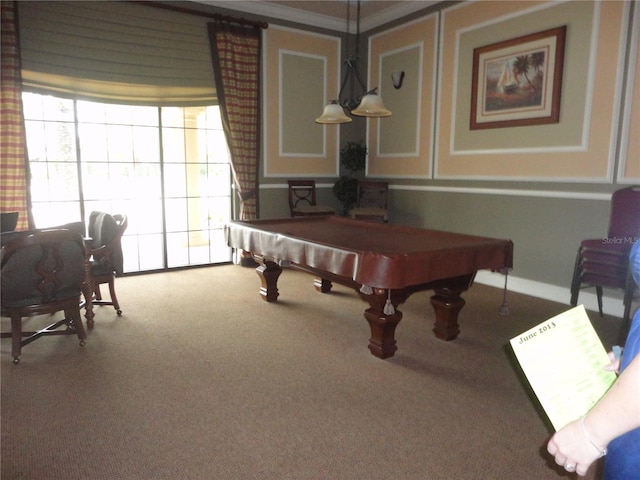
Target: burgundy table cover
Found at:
x=373, y=254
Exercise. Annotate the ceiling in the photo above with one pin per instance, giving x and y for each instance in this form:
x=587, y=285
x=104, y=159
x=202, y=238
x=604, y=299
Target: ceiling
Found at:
x=329, y=14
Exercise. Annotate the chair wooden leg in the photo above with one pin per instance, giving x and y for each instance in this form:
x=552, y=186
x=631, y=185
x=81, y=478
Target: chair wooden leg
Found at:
x=74, y=317
x=114, y=299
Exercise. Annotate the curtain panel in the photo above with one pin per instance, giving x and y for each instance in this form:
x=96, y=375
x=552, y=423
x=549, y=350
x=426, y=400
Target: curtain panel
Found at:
x=14, y=167
x=235, y=52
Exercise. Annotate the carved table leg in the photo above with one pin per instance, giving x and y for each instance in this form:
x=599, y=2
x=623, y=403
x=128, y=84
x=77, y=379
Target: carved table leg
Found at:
x=87, y=293
x=382, y=343
x=87, y=288
x=268, y=272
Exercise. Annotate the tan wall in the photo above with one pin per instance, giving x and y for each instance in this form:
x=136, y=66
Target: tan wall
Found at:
x=428, y=136
x=630, y=151
x=300, y=71
x=401, y=145
x=545, y=186
x=580, y=147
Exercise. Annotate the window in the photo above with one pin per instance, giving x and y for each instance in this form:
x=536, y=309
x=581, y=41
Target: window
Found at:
x=166, y=168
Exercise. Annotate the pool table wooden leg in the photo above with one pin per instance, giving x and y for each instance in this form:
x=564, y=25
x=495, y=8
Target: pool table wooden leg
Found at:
x=447, y=306
x=382, y=343
x=322, y=285
x=269, y=272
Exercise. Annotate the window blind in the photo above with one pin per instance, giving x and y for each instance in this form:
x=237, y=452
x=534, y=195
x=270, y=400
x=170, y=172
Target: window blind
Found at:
x=113, y=51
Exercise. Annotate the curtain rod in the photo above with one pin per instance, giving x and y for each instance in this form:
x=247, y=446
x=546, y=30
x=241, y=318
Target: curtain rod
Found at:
x=215, y=16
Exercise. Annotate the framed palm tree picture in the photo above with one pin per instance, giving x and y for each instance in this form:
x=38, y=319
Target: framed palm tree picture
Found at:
x=518, y=82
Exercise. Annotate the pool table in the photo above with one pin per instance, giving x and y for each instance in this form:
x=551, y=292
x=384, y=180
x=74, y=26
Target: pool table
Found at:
x=385, y=263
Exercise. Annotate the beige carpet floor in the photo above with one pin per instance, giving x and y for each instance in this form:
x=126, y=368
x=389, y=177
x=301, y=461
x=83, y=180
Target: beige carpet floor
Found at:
x=201, y=379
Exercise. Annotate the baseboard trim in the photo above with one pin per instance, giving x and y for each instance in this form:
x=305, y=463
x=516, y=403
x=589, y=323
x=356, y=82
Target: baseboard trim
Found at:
x=610, y=305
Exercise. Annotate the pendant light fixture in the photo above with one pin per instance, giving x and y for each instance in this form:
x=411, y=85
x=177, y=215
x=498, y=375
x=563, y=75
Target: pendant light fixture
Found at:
x=367, y=103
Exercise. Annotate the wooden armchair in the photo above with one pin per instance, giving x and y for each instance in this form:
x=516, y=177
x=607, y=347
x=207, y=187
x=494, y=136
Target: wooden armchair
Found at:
x=42, y=273
x=107, y=260
x=372, y=201
x=302, y=199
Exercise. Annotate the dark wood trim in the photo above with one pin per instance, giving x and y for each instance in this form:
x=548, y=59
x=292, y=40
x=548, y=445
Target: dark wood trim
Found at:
x=215, y=16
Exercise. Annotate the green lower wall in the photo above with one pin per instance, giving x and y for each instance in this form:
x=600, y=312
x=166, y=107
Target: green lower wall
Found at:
x=546, y=231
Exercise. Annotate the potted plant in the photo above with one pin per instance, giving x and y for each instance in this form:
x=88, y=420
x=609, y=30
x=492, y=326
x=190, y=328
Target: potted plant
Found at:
x=353, y=158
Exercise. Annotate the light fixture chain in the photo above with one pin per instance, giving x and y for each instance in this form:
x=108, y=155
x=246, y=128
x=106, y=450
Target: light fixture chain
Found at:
x=348, y=49
x=358, y=31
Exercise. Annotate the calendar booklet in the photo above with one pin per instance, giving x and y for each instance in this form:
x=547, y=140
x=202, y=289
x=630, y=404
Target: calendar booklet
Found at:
x=563, y=360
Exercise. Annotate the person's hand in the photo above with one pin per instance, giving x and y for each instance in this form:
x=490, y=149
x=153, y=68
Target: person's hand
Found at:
x=614, y=366
x=572, y=450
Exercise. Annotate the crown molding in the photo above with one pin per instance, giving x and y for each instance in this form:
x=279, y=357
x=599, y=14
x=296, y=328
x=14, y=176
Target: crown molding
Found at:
x=318, y=20
x=278, y=11
x=394, y=13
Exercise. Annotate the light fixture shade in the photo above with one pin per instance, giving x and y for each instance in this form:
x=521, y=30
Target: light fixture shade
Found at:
x=333, y=114
x=371, y=106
